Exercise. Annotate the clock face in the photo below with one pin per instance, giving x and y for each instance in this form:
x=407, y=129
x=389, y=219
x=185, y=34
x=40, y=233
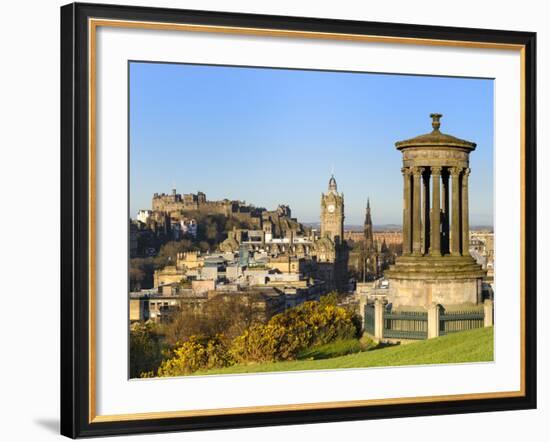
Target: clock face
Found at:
x=331, y=208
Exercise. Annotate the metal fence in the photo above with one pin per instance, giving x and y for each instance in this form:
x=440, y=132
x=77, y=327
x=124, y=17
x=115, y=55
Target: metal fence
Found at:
x=402, y=324
x=451, y=322
x=405, y=325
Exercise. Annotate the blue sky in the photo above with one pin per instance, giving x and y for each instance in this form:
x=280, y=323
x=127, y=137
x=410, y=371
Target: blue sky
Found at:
x=273, y=136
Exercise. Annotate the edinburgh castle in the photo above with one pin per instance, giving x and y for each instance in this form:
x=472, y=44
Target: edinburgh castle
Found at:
x=278, y=222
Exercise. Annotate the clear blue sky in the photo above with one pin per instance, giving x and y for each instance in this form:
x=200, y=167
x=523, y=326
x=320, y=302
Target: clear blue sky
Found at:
x=272, y=136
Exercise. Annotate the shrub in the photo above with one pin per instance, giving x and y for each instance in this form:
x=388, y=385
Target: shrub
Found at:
x=145, y=349
x=266, y=343
x=317, y=323
x=197, y=353
x=329, y=299
x=282, y=338
x=288, y=333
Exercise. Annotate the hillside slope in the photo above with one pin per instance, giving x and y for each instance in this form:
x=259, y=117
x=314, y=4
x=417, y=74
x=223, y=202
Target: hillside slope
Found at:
x=469, y=346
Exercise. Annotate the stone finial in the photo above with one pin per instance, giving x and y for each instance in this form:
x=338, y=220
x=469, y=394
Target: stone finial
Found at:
x=436, y=124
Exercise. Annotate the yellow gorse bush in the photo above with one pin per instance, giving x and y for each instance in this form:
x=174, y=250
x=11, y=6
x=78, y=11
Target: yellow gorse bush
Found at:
x=282, y=338
x=197, y=353
x=286, y=334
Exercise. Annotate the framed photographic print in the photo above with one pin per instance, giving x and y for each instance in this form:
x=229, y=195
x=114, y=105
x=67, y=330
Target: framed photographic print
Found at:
x=274, y=220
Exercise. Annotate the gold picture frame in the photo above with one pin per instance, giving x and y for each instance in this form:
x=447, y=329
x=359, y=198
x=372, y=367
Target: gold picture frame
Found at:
x=79, y=34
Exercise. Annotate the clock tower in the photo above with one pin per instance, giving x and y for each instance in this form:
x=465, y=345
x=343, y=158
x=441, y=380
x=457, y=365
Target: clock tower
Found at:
x=332, y=213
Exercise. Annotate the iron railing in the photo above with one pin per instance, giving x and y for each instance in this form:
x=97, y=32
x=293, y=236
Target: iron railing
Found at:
x=405, y=325
x=452, y=322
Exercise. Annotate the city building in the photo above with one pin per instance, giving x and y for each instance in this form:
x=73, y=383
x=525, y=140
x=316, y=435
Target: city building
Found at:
x=389, y=237
x=482, y=250
x=354, y=235
x=211, y=275
x=144, y=215
x=280, y=263
x=182, y=227
x=331, y=250
x=290, y=247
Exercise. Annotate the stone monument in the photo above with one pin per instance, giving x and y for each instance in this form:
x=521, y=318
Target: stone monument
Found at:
x=436, y=265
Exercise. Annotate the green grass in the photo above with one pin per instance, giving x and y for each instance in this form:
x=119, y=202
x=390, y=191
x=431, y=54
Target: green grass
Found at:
x=469, y=346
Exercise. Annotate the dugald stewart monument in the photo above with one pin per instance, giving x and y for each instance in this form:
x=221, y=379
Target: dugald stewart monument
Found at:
x=436, y=265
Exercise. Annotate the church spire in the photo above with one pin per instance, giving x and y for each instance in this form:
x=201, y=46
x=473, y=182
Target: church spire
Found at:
x=368, y=230
x=368, y=219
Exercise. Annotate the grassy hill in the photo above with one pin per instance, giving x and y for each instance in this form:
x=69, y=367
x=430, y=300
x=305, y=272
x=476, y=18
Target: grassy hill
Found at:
x=469, y=346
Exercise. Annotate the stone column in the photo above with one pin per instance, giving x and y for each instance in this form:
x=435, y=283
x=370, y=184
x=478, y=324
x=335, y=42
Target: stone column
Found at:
x=446, y=211
x=455, y=223
x=488, y=313
x=416, y=215
x=378, y=319
x=362, y=305
x=435, y=249
x=433, y=320
x=426, y=213
x=406, y=210
x=465, y=214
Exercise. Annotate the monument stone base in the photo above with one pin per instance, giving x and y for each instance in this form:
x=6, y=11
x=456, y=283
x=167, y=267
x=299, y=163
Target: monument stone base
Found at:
x=420, y=281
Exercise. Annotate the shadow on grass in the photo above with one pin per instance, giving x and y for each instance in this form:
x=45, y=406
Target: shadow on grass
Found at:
x=341, y=348
x=332, y=350
x=381, y=345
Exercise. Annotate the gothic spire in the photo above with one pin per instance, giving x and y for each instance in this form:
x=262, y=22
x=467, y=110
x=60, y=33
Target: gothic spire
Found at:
x=368, y=219
x=368, y=230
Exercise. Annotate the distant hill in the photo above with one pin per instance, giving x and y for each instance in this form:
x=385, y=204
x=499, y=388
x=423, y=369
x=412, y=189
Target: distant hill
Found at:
x=481, y=227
